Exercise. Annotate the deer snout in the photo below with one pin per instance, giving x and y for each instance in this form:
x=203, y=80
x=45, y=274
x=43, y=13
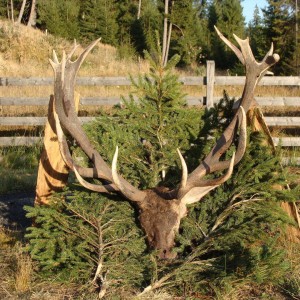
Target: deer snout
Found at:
x=167, y=254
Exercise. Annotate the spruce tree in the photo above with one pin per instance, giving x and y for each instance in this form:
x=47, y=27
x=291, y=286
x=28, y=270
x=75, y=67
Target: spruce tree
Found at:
x=257, y=34
x=98, y=19
x=150, y=22
x=59, y=17
x=187, y=33
x=130, y=33
x=3, y=8
x=279, y=21
x=148, y=147
x=227, y=16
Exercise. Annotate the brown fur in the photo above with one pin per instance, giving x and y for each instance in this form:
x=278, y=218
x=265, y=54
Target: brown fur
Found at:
x=160, y=220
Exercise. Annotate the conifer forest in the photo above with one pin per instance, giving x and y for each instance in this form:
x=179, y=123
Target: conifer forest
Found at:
x=130, y=26
x=151, y=198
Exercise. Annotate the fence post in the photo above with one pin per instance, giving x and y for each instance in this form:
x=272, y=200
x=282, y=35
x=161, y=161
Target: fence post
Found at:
x=210, y=80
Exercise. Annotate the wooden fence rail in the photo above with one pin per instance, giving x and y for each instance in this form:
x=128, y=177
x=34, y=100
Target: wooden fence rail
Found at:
x=40, y=121
x=209, y=81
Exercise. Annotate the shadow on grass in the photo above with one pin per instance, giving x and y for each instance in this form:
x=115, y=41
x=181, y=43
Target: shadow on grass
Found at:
x=16, y=190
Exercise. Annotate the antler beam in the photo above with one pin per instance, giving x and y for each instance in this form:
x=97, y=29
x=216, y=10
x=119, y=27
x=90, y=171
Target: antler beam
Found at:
x=254, y=70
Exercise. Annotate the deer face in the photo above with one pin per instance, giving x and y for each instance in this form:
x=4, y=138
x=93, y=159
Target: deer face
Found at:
x=160, y=220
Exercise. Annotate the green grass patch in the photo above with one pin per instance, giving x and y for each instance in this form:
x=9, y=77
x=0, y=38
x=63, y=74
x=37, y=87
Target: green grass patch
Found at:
x=17, y=181
x=18, y=168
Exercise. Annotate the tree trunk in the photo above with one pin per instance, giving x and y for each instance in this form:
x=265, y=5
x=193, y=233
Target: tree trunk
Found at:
x=257, y=122
x=21, y=11
x=139, y=9
x=165, y=33
x=168, y=44
x=7, y=11
x=12, y=10
x=53, y=172
x=32, y=16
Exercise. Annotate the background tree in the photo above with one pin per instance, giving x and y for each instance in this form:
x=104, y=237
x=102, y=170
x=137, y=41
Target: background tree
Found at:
x=279, y=21
x=32, y=15
x=128, y=26
x=256, y=32
x=227, y=16
x=22, y=9
x=3, y=8
x=150, y=21
x=98, y=19
x=188, y=32
x=59, y=17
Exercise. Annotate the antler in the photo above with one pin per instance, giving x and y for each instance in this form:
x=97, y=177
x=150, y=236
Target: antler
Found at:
x=254, y=70
x=65, y=73
x=194, y=187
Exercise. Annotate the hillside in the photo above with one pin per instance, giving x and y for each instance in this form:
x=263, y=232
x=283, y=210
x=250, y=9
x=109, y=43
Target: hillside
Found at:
x=25, y=51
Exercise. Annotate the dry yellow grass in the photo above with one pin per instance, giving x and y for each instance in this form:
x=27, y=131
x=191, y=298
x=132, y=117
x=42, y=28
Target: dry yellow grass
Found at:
x=25, y=52
x=24, y=273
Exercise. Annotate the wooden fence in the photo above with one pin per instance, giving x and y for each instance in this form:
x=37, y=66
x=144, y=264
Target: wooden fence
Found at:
x=209, y=81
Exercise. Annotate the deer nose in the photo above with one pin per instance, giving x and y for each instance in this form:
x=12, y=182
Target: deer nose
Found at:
x=166, y=254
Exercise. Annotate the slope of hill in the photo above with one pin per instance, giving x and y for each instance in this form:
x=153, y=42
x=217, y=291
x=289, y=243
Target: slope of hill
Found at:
x=25, y=51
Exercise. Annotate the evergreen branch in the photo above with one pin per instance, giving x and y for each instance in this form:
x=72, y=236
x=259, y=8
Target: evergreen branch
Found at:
x=158, y=284
x=67, y=229
x=202, y=231
x=228, y=210
x=82, y=217
x=98, y=273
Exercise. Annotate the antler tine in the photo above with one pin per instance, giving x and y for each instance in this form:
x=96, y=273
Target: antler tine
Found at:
x=63, y=67
x=107, y=188
x=78, y=62
x=75, y=46
x=54, y=62
x=269, y=60
x=272, y=57
x=223, y=178
x=196, y=193
x=245, y=49
x=212, y=162
x=55, y=59
x=184, y=170
x=270, y=52
x=132, y=194
x=237, y=51
x=67, y=157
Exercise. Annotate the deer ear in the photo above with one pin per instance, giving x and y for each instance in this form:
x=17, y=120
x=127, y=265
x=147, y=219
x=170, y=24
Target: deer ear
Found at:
x=196, y=193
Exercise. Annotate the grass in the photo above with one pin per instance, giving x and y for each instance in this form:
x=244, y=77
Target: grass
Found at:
x=18, y=168
x=25, y=52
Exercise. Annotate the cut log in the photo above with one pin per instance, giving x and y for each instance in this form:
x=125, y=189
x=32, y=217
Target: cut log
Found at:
x=52, y=172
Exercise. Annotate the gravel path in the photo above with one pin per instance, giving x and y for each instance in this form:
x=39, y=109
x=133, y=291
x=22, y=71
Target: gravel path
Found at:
x=12, y=214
